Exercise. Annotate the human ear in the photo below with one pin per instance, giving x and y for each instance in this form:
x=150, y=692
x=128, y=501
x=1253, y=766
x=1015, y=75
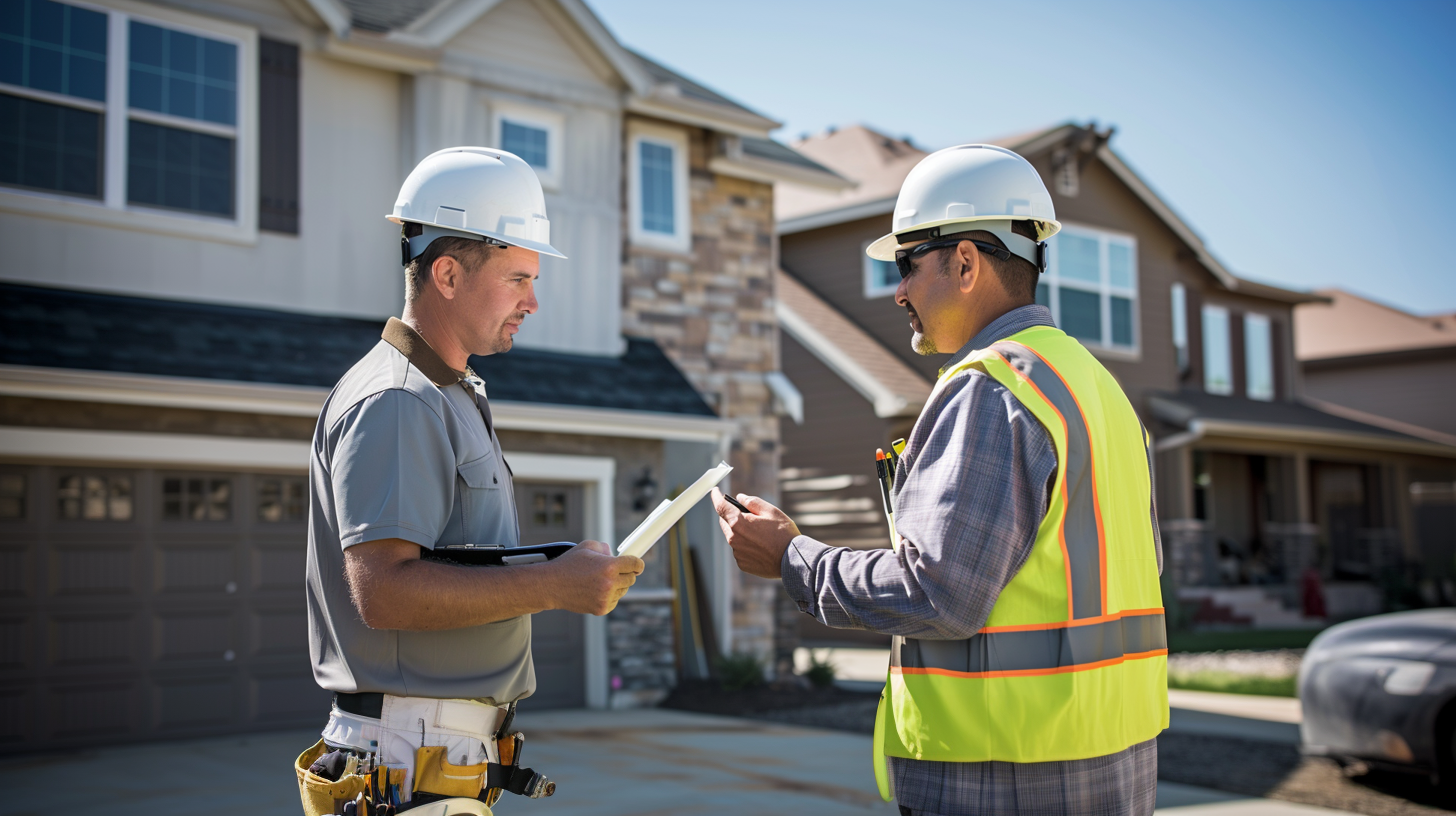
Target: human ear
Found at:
x=971, y=263
x=445, y=272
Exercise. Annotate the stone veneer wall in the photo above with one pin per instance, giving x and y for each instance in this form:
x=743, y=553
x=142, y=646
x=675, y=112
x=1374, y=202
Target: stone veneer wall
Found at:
x=641, y=661
x=711, y=311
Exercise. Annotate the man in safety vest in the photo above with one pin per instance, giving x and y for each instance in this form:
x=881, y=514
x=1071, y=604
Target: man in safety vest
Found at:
x=1028, y=671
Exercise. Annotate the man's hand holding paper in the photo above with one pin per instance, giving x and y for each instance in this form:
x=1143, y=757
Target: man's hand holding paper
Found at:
x=758, y=537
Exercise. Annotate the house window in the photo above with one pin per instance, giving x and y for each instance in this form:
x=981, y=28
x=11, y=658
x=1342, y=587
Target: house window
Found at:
x=140, y=113
x=52, y=97
x=1218, y=363
x=880, y=277
x=658, y=189
x=282, y=499
x=197, y=499
x=1180, y=326
x=94, y=497
x=527, y=142
x=1258, y=357
x=534, y=134
x=549, y=510
x=1090, y=285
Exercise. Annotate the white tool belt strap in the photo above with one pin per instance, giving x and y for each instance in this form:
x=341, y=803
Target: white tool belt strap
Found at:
x=464, y=727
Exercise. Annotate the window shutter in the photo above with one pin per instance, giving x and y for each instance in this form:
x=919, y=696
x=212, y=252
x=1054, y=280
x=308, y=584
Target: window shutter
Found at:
x=1238, y=354
x=278, y=136
x=1193, y=376
x=1276, y=350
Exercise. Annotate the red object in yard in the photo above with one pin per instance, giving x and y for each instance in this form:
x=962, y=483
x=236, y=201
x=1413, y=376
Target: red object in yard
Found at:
x=1312, y=594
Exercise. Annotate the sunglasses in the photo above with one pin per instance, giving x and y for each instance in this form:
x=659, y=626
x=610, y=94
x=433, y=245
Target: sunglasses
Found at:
x=905, y=258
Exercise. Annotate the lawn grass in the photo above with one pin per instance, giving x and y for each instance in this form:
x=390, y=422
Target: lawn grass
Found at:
x=1224, y=640
x=1229, y=683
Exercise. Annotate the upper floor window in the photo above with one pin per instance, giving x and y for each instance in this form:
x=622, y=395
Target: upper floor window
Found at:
x=880, y=277
x=1180, y=326
x=140, y=113
x=1090, y=285
x=1218, y=358
x=534, y=134
x=658, y=189
x=1258, y=357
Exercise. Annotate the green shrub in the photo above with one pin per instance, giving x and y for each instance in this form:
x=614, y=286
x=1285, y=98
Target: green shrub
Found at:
x=740, y=671
x=820, y=673
x=1230, y=683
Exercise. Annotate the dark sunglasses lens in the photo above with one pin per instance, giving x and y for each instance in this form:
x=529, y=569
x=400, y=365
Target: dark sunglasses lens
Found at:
x=902, y=262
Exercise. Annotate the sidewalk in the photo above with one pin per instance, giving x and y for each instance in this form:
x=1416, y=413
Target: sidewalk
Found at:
x=606, y=763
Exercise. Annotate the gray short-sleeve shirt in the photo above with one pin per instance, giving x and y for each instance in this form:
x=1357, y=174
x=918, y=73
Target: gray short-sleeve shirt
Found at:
x=404, y=449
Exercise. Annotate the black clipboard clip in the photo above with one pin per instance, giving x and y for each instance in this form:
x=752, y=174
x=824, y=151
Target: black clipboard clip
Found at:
x=494, y=555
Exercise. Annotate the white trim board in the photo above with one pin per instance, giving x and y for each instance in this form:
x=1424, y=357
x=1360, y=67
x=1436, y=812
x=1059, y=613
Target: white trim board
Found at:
x=597, y=474
x=294, y=400
x=154, y=448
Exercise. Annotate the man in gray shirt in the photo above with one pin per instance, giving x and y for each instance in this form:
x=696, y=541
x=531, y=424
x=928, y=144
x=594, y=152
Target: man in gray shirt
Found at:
x=406, y=460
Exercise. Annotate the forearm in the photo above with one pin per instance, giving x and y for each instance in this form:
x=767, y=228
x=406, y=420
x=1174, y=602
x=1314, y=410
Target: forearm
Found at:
x=879, y=590
x=417, y=595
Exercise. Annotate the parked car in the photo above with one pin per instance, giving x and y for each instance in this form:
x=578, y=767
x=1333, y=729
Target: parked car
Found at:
x=1382, y=690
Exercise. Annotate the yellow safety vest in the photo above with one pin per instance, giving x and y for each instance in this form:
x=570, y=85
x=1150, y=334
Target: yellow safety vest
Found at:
x=1072, y=662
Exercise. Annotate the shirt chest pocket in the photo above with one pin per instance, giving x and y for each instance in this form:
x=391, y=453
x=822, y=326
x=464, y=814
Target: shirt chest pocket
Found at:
x=482, y=502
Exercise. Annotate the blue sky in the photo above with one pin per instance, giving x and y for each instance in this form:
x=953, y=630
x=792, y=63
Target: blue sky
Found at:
x=1308, y=143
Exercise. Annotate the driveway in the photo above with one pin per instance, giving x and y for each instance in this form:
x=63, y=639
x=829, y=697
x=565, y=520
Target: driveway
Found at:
x=606, y=763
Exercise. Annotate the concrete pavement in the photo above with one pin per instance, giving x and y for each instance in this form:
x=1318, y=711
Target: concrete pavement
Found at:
x=607, y=763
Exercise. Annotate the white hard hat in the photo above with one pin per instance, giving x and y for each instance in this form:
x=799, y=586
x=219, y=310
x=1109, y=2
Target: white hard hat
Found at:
x=474, y=192
x=971, y=187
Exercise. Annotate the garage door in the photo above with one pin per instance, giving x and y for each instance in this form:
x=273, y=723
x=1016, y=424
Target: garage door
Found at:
x=141, y=604
x=554, y=512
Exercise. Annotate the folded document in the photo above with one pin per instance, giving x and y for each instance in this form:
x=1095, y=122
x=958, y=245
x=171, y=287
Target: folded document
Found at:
x=660, y=520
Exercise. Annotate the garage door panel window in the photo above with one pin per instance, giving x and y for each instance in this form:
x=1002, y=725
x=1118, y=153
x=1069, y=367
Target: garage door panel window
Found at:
x=94, y=497
x=1090, y=286
x=197, y=499
x=13, y=489
x=282, y=500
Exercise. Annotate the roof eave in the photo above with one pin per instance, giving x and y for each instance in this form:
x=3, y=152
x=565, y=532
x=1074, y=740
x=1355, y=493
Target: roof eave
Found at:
x=839, y=215
x=674, y=108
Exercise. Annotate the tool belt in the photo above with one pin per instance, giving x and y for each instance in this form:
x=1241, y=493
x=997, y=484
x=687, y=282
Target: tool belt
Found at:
x=354, y=781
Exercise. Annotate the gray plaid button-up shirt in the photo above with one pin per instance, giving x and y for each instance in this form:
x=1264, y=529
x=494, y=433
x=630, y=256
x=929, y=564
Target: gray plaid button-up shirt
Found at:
x=971, y=490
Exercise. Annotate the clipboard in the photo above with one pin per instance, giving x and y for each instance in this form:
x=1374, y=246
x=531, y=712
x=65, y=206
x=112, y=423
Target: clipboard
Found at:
x=667, y=514
x=494, y=555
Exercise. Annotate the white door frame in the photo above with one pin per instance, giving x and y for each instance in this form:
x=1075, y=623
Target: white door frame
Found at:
x=597, y=475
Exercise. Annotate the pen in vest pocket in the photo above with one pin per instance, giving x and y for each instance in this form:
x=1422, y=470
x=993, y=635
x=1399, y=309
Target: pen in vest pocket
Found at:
x=882, y=470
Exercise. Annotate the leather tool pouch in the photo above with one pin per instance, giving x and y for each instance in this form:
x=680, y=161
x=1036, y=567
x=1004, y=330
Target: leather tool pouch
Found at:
x=435, y=774
x=320, y=796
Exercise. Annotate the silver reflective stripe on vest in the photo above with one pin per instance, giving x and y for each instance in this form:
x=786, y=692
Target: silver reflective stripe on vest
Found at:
x=1066, y=648
x=1083, y=538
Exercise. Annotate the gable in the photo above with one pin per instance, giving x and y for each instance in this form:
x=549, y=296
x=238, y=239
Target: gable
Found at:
x=537, y=36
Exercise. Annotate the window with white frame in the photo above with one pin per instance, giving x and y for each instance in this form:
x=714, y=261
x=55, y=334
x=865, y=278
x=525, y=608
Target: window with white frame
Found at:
x=137, y=112
x=881, y=278
x=1258, y=357
x=1180, y=325
x=1090, y=285
x=1218, y=358
x=535, y=135
x=658, y=189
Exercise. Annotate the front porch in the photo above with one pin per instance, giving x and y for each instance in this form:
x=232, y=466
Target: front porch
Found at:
x=1281, y=516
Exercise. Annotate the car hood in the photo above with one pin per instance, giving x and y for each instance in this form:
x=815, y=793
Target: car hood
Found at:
x=1414, y=635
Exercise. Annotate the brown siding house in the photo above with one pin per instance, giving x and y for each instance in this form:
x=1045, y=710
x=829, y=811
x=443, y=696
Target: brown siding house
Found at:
x=1255, y=486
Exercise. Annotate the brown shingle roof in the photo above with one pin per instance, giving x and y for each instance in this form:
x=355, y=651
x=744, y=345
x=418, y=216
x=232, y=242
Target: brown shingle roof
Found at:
x=1351, y=325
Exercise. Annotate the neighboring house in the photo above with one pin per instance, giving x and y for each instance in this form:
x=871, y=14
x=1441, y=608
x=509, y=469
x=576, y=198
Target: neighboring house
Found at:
x=1252, y=484
x=193, y=198
x=1378, y=364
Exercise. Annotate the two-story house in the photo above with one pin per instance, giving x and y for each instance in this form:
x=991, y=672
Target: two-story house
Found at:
x=193, y=197
x=1253, y=486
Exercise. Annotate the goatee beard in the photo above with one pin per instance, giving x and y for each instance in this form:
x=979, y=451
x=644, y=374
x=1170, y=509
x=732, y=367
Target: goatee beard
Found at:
x=923, y=345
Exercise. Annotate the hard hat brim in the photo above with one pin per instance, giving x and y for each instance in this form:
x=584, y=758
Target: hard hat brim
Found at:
x=515, y=241
x=883, y=249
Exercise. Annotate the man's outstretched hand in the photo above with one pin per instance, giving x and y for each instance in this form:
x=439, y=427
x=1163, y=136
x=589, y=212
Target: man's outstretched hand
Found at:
x=758, y=537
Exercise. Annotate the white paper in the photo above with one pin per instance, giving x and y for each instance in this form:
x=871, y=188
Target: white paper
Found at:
x=656, y=525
